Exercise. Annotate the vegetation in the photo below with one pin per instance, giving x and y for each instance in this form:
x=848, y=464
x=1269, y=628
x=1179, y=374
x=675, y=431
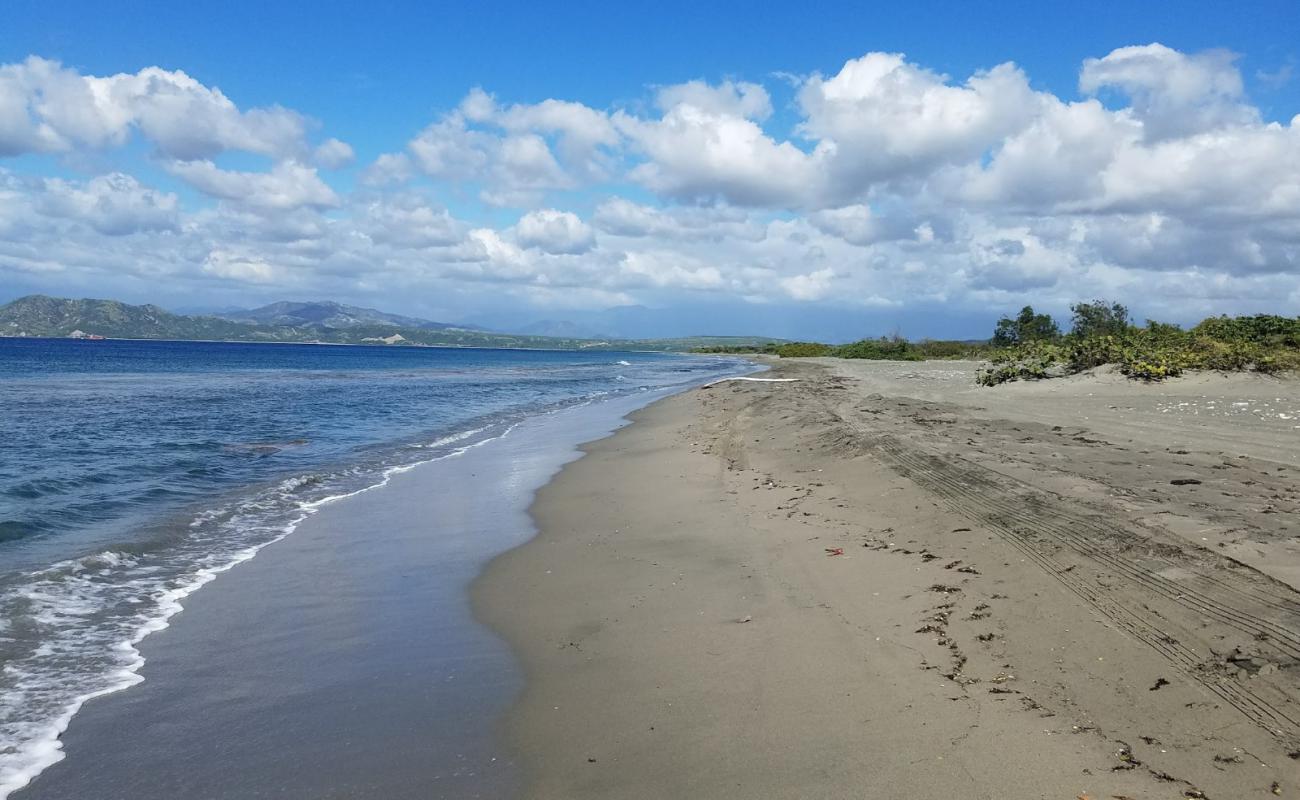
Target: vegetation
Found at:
x=884, y=348
x=1030, y=346
x=1098, y=319
x=1026, y=327
x=1102, y=334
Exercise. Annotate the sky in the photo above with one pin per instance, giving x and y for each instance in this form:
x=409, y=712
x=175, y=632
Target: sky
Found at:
x=813, y=170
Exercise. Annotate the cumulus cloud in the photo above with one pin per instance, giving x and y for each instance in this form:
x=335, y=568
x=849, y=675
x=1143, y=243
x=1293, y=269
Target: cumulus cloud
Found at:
x=621, y=217
x=46, y=107
x=241, y=267
x=668, y=270
x=514, y=154
x=811, y=286
x=333, y=154
x=513, y=169
x=287, y=186
x=855, y=224
x=409, y=221
x=553, y=231
x=694, y=154
x=449, y=150
x=584, y=135
x=1172, y=93
x=882, y=117
x=113, y=204
x=747, y=100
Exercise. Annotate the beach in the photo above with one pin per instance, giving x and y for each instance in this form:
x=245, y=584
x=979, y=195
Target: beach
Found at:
x=880, y=581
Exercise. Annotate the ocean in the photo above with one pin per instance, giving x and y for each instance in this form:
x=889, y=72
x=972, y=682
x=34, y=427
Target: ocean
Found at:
x=132, y=473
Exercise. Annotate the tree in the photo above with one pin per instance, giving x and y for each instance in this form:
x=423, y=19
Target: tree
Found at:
x=1026, y=327
x=1098, y=318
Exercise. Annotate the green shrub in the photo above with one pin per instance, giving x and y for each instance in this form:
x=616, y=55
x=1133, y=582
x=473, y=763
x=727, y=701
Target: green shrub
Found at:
x=1029, y=361
x=886, y=348
x=1098, y=318
x=1262, y=343
x=803, y=350
x=1026, y=327
x=1260, y=329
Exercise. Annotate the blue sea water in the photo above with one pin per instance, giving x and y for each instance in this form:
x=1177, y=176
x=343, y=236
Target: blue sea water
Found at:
x=131, y=473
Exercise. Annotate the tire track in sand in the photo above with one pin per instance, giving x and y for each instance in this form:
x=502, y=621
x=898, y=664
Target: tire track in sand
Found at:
x=1008, y=507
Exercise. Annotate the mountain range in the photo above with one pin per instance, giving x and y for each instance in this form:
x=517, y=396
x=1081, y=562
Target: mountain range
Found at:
x=327, y=314
x=323, y=322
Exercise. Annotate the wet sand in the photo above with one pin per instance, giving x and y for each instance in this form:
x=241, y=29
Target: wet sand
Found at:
x=880, y=582
x=342, y=661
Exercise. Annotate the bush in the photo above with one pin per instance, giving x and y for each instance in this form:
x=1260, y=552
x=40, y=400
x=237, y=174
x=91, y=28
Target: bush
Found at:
x=1262, y=343
x=941, y=349
x=886, y=348
x=1260, y=329
x=803, y=350
x=1098, y=318
x=1026, y=327
x=1030, y=361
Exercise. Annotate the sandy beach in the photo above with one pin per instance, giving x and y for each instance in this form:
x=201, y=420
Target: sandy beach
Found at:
x=879, y=581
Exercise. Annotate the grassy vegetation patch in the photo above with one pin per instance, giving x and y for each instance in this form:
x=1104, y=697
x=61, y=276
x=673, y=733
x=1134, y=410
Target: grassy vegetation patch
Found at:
x=1030, y=346
x=1102, y=335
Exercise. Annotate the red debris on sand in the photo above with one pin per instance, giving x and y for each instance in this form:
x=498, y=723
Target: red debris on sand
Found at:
x=835, y=551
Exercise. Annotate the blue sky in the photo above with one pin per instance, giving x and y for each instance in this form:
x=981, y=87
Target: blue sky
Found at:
x=378, y=77
x=400, y=63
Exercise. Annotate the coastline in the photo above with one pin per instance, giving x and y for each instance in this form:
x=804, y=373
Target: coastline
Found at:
x=833, y=588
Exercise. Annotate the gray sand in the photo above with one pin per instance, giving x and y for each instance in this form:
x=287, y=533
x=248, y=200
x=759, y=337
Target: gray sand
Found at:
x=878, y=585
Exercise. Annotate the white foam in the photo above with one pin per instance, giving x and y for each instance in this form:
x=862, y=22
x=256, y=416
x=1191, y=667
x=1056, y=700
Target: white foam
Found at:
x=62, y=596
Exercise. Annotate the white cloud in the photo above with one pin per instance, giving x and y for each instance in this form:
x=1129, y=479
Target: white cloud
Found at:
x=288, y=185
x=668, y=270
x=811, y=286
x=46, y=107
x=584, y=134
x=514, y=169
x=621, y=217
x=238, y=267
x=747, y=100
x=333, y=154
x=553, y=231
x=388, y=169
x=524, y=161
x=854, y=224
x=882, y=118
x=114, y=204
x=408, y=221
x=1172, y=93
x=698, y=155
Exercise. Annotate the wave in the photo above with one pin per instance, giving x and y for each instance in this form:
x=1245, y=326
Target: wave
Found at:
x=78, y=622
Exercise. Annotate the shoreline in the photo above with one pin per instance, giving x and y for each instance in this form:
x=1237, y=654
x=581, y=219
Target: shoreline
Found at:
x=290, y=614
x=788, y=590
